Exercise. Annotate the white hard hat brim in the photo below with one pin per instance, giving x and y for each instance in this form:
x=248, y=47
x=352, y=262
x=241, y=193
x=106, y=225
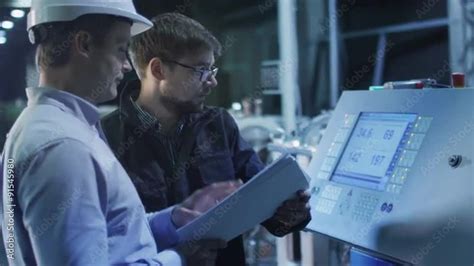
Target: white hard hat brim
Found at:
x=71, y=12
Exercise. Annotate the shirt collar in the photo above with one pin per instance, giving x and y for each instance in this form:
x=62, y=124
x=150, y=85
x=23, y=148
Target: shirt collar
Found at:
x=66, y=101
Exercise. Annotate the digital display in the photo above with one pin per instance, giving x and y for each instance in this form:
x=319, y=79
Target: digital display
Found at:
x=374, y=146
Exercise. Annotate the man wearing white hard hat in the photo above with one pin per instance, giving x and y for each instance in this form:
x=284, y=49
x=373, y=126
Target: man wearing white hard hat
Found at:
x=66, y=200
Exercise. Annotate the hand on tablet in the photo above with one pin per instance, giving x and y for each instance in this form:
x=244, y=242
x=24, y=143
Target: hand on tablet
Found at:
x=202, y=200
x=294, y=211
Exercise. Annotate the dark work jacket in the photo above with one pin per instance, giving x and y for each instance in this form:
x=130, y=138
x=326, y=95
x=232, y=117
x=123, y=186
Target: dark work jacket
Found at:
x=218, y=154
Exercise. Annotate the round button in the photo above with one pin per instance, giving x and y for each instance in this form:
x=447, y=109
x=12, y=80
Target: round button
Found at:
x=389, y=207
x=384, y=206
x=315, y=190
x=455, y=160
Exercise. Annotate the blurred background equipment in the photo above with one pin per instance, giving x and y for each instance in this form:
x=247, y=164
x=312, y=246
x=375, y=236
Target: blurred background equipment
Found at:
x=336, y=46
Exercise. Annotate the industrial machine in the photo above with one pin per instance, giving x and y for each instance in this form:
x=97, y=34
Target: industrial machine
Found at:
x=393, y=177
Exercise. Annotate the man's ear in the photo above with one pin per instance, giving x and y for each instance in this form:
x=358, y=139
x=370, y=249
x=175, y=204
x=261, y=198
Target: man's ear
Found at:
x=155, y=68
x=82, y=43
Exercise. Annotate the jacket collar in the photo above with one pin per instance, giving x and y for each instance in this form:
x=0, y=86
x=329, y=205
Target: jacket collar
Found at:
x=128, y=113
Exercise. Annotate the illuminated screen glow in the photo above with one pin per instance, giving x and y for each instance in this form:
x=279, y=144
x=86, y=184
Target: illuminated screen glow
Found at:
x=374, y=146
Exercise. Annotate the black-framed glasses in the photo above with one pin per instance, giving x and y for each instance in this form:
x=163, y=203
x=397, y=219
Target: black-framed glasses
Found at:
x=205, y=73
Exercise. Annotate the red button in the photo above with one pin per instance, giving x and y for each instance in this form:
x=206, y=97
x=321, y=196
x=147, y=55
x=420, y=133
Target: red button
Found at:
x=457, y=80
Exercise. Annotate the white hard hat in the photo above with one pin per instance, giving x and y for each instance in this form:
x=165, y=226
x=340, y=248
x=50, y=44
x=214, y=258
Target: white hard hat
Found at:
x=46, y=11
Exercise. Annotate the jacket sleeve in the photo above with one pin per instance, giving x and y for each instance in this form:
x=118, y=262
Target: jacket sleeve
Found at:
x=245, y=159
x=247, y=164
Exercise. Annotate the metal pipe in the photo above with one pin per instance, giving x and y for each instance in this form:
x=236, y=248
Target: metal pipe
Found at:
x=333, y=52
x=380, y=60
x=419, y=25
x=288, y=61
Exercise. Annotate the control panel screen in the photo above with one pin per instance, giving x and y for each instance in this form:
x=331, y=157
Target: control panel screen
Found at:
x=372, y=149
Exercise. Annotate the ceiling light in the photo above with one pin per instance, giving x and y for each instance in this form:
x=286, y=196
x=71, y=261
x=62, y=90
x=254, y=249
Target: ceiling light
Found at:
x=3, y=40
x=7, y=24
x=2, y=33
x=17, y=13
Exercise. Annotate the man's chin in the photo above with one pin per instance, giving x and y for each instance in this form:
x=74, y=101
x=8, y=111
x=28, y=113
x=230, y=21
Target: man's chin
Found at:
x=193, y=108
x=113, y=94
x=183, y=107
x=103, y=96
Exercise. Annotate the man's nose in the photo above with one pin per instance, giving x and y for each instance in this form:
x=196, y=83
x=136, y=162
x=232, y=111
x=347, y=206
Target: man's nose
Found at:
x=212, y=82
x=126, y=67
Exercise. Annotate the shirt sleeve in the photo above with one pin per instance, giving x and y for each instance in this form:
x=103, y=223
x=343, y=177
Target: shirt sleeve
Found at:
x=164, y=231
x=62, y=208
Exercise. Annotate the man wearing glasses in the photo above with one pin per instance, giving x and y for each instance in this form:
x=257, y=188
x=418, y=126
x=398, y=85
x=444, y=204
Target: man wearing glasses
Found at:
x=169, y=142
